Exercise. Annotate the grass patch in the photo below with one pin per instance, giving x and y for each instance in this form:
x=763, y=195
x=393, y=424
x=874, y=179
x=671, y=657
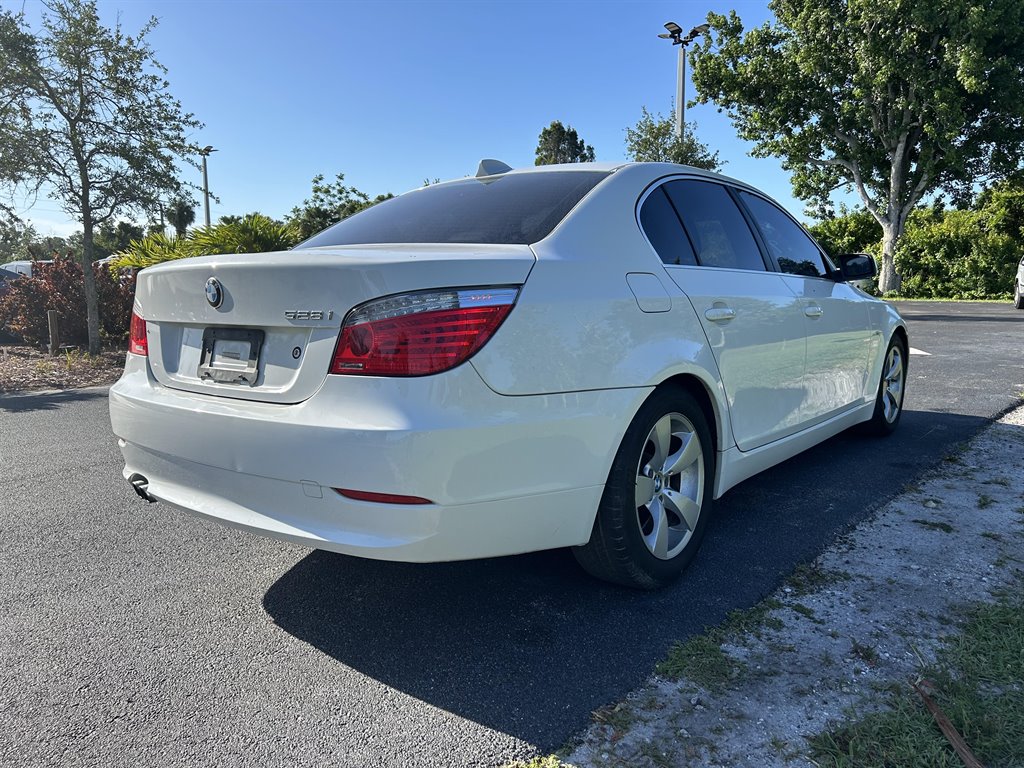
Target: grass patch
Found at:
x=979, y=684
x=864, y=652
x=752, y=621
x=547, y=761
x=985, y=501
x=700, y=659
x=934, y=525
x=810, y=577
x=807, y=612
x=992, y=535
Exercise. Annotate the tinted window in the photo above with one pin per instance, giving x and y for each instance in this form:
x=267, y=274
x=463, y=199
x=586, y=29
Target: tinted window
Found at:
x=717, y=229
x=786, y=241
x=661, y=225
x=510, y=209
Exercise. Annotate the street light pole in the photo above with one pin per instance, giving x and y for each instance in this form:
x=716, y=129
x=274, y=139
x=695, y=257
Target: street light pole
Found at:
x=205, y=152
x=675, y=34
x=681, y=93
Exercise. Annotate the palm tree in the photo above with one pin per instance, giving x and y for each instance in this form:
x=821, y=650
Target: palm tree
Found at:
x=181, y=215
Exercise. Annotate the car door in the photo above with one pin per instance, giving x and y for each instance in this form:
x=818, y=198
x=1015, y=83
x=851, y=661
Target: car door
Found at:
x=841, y=342
x=752, y=320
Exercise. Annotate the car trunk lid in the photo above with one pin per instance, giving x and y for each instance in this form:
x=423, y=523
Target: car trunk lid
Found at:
x=272, y=335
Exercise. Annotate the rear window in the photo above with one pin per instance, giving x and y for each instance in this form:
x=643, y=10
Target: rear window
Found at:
x=513, y=209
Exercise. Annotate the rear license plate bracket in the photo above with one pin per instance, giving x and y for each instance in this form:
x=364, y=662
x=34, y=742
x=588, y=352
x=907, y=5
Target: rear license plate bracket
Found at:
x=231, y=355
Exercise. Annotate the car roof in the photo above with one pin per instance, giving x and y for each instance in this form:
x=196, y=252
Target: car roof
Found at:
x=654, y=170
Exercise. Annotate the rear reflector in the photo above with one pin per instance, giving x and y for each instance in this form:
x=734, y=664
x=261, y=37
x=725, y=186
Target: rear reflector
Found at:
x=416, y=334
x=381, y=498
x=138, y=344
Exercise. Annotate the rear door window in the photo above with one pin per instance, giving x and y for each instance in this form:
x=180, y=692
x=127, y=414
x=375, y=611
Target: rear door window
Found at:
x=717, y=228
x=662, y=226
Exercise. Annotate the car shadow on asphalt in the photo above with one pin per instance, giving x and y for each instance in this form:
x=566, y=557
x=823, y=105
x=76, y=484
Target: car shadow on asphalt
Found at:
x=48, y=401
x=530, y=646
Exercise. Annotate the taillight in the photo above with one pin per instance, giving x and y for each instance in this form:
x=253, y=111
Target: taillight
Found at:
x=138, y=344
x=415, y=334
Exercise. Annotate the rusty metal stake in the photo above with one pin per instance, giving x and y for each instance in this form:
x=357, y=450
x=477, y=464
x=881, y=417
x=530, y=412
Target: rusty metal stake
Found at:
x=956, y=741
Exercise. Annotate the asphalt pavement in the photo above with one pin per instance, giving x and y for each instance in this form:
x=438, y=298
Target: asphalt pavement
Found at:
x=136, y=635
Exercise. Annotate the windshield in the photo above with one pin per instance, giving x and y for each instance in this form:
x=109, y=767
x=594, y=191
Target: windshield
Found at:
x=514, y=209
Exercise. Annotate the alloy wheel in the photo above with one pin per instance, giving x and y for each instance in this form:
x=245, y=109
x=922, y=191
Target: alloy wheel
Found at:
x=669, y=486
x=892, y=384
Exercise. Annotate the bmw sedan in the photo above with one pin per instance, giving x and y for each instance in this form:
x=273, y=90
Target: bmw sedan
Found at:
x=576, y=356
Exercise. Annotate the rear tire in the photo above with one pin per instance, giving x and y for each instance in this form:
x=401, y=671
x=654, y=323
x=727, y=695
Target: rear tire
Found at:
x=891, y=389
x=1018, y=298
x=658, y=497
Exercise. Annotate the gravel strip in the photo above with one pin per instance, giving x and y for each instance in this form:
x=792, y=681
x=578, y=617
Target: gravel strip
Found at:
x=884, y=596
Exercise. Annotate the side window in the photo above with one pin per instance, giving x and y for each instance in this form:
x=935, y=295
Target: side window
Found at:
x=662, y=227
x=717, y=229
x=787, y=242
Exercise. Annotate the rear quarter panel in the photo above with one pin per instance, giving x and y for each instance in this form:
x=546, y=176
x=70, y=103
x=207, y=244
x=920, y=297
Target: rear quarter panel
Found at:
x=578, y=326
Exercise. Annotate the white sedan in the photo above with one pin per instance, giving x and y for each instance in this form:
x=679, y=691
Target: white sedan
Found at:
x=566, y=356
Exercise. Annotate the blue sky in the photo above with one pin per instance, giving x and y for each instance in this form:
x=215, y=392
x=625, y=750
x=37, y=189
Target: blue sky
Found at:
x=392, y=93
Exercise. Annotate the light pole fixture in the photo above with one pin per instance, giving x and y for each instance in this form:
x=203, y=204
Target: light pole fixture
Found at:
x=205, y=153
x=675, y=34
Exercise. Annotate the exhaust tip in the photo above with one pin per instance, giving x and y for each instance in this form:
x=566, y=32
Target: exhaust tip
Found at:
x=140, y=485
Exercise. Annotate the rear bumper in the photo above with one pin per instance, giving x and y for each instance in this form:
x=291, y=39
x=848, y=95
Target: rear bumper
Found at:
x=504, y=474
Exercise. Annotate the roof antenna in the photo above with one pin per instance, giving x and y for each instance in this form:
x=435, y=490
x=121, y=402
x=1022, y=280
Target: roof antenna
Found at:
x=491, y=167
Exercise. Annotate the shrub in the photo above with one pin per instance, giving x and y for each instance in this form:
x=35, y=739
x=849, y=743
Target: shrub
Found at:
x=957, y=255
x=253, y=233
x=60, y=286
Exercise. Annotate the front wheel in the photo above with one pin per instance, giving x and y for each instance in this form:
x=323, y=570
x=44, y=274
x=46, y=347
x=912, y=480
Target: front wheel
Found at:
x=889, y=402
x=1018, y=299
x=657, y=500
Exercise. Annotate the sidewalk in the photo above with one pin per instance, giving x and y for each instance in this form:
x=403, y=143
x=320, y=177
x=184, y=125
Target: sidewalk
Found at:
x=861, y=621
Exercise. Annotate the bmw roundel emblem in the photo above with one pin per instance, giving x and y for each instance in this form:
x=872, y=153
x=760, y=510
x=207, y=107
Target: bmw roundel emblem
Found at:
x=214, y=292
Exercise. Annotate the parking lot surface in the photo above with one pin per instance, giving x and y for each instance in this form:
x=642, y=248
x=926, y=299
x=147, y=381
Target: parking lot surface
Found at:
x=136, y=635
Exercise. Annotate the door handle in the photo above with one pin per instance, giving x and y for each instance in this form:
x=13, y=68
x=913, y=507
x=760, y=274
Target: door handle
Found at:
x=720, y=314
x=814, y=311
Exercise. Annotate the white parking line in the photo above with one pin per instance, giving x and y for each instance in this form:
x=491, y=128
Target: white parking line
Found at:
x=920, y=352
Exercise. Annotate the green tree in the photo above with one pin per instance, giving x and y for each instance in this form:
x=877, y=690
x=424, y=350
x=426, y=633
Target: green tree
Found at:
x=93, y=119
x=329, y=204
x=892, y=98
x=110, y=239
x=1004, y=202
x=558, y=144
x=15, y=237
x=181, y=214
x=653, y=140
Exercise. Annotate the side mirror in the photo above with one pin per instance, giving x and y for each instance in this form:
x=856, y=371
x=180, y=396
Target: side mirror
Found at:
x=856, y=266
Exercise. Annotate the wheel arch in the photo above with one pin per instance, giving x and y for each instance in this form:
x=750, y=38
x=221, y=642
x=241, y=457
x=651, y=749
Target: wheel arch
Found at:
x=900, y=332
x=701, y=392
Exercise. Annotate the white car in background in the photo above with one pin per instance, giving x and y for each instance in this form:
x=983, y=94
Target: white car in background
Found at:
x=567, y=356
x=1018, y=286
x=24, y=267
